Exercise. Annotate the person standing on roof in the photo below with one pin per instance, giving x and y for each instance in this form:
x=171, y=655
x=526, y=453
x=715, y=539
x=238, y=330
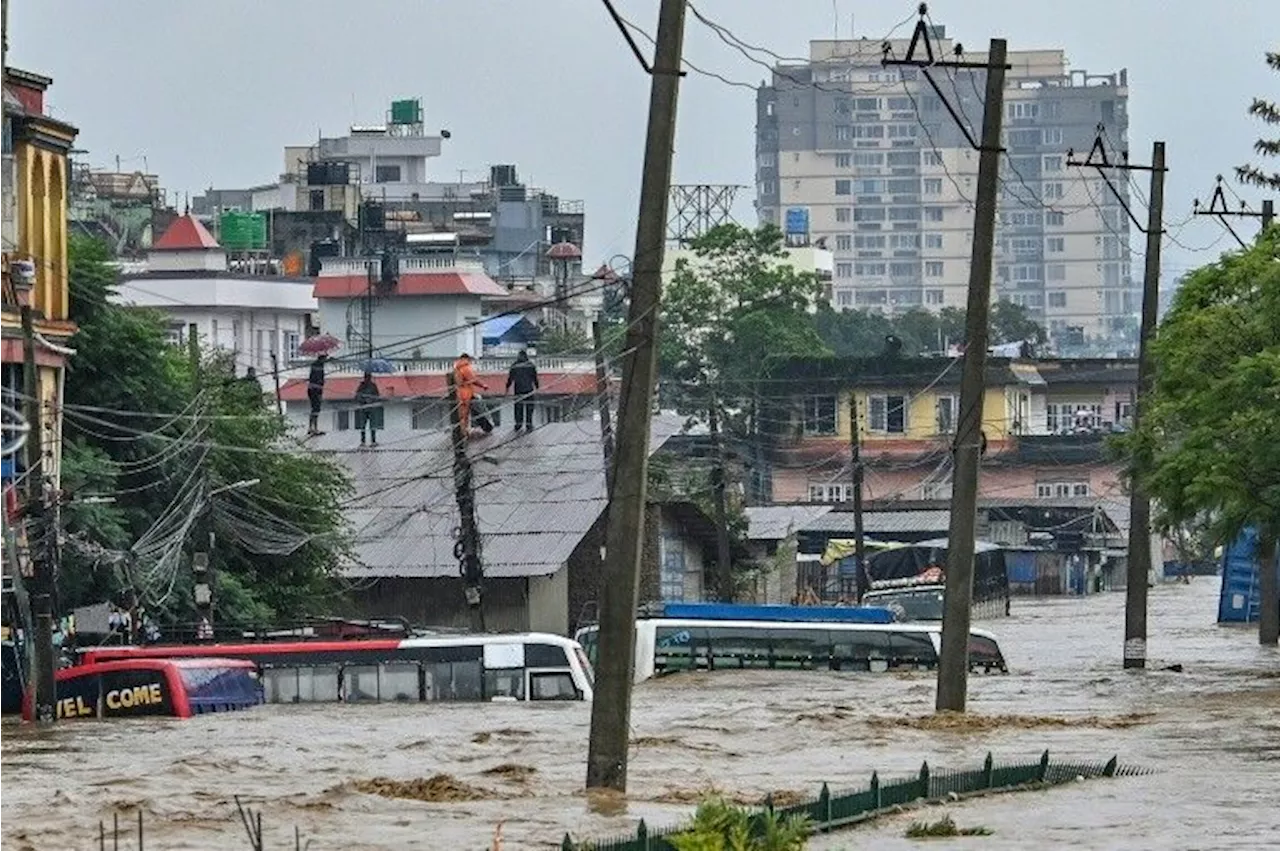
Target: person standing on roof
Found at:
x=466, y=382
x=523, y=377
x=366, y=401
x=315, y=393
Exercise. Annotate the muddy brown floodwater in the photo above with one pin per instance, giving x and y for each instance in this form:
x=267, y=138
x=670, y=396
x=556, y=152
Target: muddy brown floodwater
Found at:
x=441, y=776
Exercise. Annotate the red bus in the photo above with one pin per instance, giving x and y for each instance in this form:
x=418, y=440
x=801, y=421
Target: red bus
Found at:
x=499, y=667
x=178, y=688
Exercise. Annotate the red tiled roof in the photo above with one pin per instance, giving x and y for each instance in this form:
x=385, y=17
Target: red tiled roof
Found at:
x=343, y=388
x=185, y=234
x=417, y=283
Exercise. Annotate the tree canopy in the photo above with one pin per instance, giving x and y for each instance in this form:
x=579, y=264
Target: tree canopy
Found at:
x=157, y=433
x=1268, y=112
x=1208, y=445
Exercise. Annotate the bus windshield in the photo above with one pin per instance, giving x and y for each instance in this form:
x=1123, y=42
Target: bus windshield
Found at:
x=214, y=688
x=909, y=604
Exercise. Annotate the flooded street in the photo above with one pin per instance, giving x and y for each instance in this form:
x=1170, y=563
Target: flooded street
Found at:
x=1212, y=732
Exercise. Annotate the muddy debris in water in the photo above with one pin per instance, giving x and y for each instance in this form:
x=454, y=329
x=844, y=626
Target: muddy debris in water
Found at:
x=439, y=788
x=609, y=803
x=963, y=722
x=484, y=737
x=696, y=795
x=514, y=772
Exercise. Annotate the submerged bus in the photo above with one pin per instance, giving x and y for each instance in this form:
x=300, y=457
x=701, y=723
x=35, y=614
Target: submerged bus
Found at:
x=132, y=688
x=666, y=645
x=516, y=667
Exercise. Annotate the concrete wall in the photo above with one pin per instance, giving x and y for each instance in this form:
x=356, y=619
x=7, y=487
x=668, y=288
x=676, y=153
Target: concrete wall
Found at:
x=407, y=326
x=549, y=603
x=440, y=602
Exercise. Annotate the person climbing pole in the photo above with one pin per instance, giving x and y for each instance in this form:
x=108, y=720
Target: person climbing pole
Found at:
x=464, y=377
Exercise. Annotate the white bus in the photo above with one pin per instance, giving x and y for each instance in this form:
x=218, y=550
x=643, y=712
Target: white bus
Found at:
x=667, y=645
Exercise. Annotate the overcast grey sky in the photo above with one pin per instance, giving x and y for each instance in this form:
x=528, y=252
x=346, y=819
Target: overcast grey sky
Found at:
x=210, y=92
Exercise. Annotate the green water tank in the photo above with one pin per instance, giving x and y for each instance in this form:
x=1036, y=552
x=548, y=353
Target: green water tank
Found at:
x=242, y=231
x=406, y=111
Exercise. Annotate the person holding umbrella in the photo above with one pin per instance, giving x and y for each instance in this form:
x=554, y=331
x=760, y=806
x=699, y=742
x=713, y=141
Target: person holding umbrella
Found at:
x=315, y=393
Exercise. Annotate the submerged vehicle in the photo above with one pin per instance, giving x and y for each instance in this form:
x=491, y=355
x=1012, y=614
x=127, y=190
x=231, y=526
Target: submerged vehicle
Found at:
x=178, y=688
x=499, y=667
x=823, y=638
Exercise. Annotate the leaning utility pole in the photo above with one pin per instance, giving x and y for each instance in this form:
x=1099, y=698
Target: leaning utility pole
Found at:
x=624, y=539
x=953, y=662
x=467, y=547
x=1139, y=555
x=859, y=536
x=724, y=553
x=41, y=533
x=602, y=402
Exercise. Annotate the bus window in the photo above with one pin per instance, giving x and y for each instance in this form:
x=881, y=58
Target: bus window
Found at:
x=908, y=649
x=280, y=684
x=738, y=648
x=317, y=685
x=214, y=689
x=552, y=686
x=545, y=656
x=360, y=682
x=853, y=649
x=504, y=682
x=799, y=648
x=673, y=649
x=398, y=681
x=588, y=640
x=454, y=681
x=985, y=653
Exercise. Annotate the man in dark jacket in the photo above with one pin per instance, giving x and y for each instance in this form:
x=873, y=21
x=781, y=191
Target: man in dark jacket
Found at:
x=315, y=393
x=366, y=402
x=523, y=378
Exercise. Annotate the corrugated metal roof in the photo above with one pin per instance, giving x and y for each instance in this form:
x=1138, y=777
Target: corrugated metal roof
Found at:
x=537, y=495
x=881, y=522
x=775, y=522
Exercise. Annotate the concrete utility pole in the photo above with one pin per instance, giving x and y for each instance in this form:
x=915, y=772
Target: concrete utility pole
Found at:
x=1268, y=590
x=624, y=540
x=1139, y=554
x=953, y=663
x=1218, y=208
x=724, y=554
x=41, y=533
x=467, y=547
x=859, y=536
x=602, y=402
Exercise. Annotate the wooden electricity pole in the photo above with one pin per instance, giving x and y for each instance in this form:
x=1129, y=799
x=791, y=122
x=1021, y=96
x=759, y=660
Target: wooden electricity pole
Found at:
x=1139, y=551
x=624, y=539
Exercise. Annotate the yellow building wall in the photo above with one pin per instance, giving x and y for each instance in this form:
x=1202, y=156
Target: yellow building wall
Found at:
x=922, y=414
x=42, y=226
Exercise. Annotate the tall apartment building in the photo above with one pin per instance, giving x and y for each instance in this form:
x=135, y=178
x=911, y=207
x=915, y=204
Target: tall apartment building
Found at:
x=869, y=158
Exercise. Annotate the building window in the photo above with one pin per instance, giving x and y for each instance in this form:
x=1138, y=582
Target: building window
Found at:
x=291, y=341
x=341, y=419
x=386, y=174
x=842, y=160
x=1054, y=218
x=317, y=200
x=820, y=415
x=1023, y=109
x=1053, y=135
x=933, y=269
x=1056, y=244
x=934, y=297
x=844, y=133
x=948, y=413
x=830, y=492
x=844, y=270
x=844, y=187
x=933, y=240
x=869, y=269
x=887, y=414
x=844, y=298
x=844, y=242
x=1058, y=299
x=1052, y=163
x=1061, y=490
x=933, y=214
x=932, y=158
x=869, y=241
x=768, y=187
x=868, y=158
x=844, y=214
x=1053, y=190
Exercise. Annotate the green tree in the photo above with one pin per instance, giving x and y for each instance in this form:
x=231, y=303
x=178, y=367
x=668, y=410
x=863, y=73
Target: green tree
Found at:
x=1208, y=448
x=568, y=340
x=1269, y=113
x=729, y=308
x=154, y=432
x=1010, y=323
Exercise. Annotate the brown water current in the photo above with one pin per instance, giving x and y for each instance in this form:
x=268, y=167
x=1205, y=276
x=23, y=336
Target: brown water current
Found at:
x=401, y=776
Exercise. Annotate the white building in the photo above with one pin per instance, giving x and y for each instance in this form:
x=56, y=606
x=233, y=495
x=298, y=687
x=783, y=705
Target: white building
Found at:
x=254, y=316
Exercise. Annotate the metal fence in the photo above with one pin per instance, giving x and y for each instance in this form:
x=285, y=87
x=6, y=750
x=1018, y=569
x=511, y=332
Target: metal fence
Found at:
x=829, y=811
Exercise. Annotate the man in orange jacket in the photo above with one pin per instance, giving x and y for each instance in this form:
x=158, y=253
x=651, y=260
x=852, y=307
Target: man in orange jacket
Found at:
x=464, y=378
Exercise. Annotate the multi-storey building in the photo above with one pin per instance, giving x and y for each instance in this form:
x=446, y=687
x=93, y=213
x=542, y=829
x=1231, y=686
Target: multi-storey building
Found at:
x=869, y=157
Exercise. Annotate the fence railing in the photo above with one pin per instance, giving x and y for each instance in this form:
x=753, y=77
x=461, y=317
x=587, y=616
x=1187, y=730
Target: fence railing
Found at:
x=829, y=811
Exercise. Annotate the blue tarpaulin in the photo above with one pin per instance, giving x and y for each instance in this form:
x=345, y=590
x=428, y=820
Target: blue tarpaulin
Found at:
x=1241, y=598
x=508, y=329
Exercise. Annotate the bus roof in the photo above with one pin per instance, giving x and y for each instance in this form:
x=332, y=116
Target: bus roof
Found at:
x=741, y=612
x=870, y=627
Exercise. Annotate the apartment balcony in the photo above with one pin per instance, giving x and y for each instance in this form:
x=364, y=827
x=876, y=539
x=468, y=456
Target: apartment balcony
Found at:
x=344, y=266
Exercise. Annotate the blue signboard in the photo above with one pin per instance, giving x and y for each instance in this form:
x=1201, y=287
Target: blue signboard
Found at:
x=797, y=220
